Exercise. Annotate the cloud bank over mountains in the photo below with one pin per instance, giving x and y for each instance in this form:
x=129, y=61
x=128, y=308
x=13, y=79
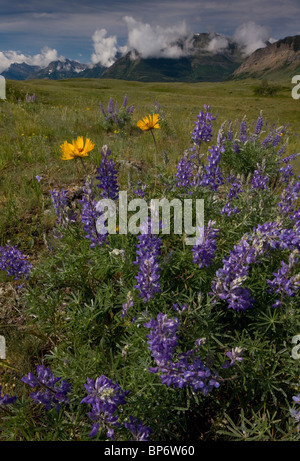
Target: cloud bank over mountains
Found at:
x=41, y=59
x=148, y=41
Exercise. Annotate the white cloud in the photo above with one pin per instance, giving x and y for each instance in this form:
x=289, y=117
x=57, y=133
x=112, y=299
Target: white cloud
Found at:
x=157, y=41
x=217, y=44
x=105, y=48
x=251, y=36
x=41, y=59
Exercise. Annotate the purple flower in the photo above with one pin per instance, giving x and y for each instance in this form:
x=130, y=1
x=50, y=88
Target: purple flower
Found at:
x=49, y=393
x=89, y=216
x=140, y=433
x=259, y=179
x=62, y=210
x=259, y=125
x=185, y=171
x=243, y=131
x=188, y=370
x=129, y=303
x=107, y=175
x=235, y=355
x=204, y=252
x=148, y=251
x=234, y=191
x=162, y=339
x=6, y=399
x=282, y=282
x=13, y=262
x=203, y=129
x=229, y=280
x=212, y=176
x=230, y=132
x=289, y=198
x=296, y=413
x=105, y=398
x=39, y=178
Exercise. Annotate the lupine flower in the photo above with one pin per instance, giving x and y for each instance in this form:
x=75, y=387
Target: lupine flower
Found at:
x=229, y=280
x=149, y=122
x=286, y=172
x=204, y=252
x=235, y=355
x=296, y=413
x=89, y=216
x=212, y=176
x=107, y=175
x=230, y=132
x=140, y=192
x=282, y=283
x=60, y=202
x=185, y=171
x=259, y=179
x=243, y=131
x=277, y=138
x=180, y=309
x=236, y=147
x=288, y=199
x=140, y=433
x=77, y=149
x=148, y=250
x=14, y=262
x=259, y=125
x=162, y=339
x=203, y=129
x=6, y=399
x=188, y=370
x=268, y=139
x=49, y=393
x=234, y=191
x=105, y=397
x=129, y=303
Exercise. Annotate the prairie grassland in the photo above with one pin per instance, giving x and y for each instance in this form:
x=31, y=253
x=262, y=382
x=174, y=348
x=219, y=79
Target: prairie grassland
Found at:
x=32, y=133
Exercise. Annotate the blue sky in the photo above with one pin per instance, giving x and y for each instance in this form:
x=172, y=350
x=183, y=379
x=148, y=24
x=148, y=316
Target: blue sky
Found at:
x=67, y=27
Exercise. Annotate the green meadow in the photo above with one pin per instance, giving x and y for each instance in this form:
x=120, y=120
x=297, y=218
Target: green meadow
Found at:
x=32, y=133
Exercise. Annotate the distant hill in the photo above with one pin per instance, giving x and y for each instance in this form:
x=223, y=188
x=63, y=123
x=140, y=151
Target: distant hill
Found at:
x=56, y=70
x=200, y=65
x=20, y=71
x=278, y=60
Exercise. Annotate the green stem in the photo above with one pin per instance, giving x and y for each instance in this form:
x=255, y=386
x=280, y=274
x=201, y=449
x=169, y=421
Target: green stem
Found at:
x=83, y=166
x=156, y=152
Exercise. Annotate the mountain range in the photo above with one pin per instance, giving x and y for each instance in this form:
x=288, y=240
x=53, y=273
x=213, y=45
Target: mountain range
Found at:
x=200, y=63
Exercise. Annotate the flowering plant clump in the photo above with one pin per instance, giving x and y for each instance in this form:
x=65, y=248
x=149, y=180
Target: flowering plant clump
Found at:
x=115, y=117
x=49, y=393
x=14, y=262
x=105, y=398
x=144, y=327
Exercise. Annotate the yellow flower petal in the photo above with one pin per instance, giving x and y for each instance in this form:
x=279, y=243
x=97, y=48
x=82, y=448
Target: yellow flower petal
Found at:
x=149, y=122
x=76, y=149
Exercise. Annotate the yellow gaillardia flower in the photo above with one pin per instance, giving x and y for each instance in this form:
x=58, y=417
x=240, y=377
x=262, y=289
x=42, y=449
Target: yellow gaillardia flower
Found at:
x=77, y=149
x=149, y=123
